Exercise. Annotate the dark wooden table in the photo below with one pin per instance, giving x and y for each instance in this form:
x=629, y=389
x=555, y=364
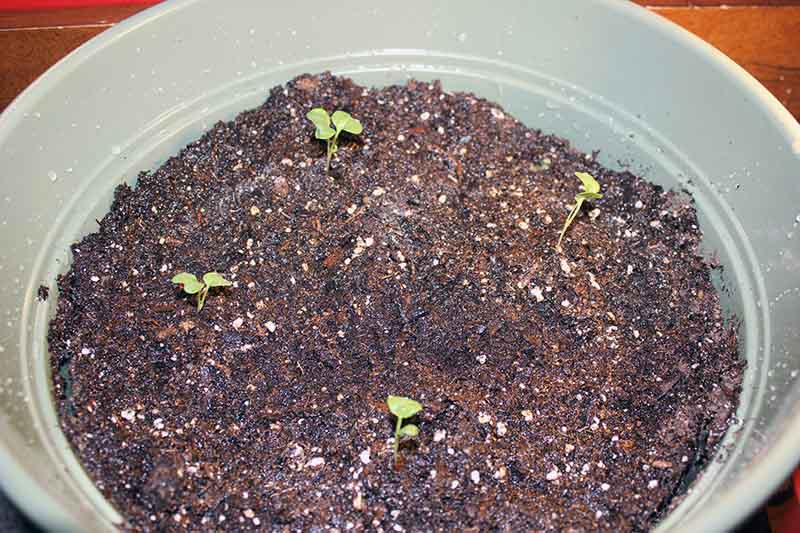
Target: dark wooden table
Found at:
x=761, y=35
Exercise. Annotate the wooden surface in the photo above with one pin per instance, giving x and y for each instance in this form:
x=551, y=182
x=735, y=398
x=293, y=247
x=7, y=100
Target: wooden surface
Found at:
x=764, y=40
x=761, y=35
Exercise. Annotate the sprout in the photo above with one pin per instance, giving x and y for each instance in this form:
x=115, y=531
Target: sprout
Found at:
x=403, y=408
x=342, y=121
x=591, y=191
x=191, y=285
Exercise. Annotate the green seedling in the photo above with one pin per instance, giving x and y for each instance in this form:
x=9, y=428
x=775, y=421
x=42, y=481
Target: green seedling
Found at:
x=403, y=408
x=591, y=191
x=342, y=121
x=191, y=285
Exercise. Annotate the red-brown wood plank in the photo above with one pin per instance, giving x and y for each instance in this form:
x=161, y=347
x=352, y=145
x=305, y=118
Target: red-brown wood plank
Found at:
x=717, y=3
x=28, y=53
x=73, y=16
x=765, y=41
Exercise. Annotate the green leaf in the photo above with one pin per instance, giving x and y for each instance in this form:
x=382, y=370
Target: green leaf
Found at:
x=324, y=132
x=344, y=122
x=403, y=407
x=409, y=430
x=590, y=184
x=588, y=196
x=354, y=127
x=188, y=282
x=214, y=279
x=319, y=117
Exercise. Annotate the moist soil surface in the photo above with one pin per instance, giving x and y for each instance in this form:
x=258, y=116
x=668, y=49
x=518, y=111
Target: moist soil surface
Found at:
x=582, y=389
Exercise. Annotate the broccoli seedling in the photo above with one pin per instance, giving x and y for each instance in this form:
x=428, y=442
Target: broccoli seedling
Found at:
x=342, y=121
x=403, y=408
x=191, y=285
x=591, y=191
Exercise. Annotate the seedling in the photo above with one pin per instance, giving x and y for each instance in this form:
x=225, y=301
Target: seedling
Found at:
x=403, y=408
x=591, y=191
x=191, y=285
x=342, y=121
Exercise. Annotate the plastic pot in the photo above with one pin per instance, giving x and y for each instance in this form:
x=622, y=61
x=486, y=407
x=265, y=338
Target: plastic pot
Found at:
x=606, y=74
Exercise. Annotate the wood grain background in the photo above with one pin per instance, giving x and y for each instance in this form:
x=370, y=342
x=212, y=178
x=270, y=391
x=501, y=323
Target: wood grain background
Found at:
x=761, y=35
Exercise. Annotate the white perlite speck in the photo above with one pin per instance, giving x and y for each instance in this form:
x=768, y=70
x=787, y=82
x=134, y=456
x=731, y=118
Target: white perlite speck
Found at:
x=652, y=484
x=483, y=418
x=128, y=414
x=271, y=326
x=365, y=457
x=237, y=323
x=425, y=116
x=537, y=293
x=475, y=476
x=316, y=461
x=604, y=487
x=439, y=435
x=553, y=475
x=502, y=429
x=481, y=358
x=527, y=415
x=565, y=266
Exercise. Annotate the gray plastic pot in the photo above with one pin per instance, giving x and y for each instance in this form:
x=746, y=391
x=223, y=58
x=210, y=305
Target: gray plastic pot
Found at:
x=604, y=73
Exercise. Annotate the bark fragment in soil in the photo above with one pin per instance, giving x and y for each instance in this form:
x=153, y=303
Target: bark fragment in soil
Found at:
x=573, y=390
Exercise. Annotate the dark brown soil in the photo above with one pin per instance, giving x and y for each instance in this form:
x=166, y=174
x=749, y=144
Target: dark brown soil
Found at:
x=582, y=389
